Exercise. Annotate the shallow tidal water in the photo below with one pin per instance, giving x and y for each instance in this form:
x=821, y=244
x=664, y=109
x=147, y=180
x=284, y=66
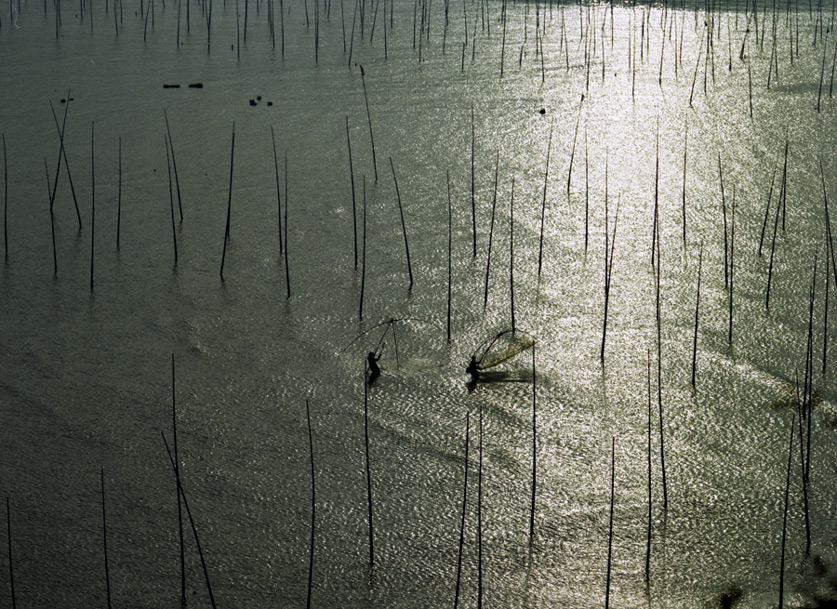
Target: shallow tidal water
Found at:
x=587, y=118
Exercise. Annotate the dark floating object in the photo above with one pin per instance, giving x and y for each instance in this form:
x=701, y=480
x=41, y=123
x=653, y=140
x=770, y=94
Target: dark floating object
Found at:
x=252, y=102
x=542, y=110
x=259, y=98
x=269, y=103
x=165, y=86
x=196, y=85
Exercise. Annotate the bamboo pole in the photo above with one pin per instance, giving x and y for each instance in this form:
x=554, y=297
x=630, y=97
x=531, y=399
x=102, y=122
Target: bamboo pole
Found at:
x=287, y=245
x=105, y=539
x=648, y=536
x=174, y=164
x=192, y=523
x=731, y=264
x=363, y=253
x=5, y=199
x=610, y=529
x=369, y=119
x=767, y=207
x=772, y=254
x=543, y=203
x=534, y=448
x=62, y=153
x=92, y=198
x=313, y=507
x=278, y=193
x=229, y=202
x=368, y=473
x=171, y=201
x=511, y=255
x=464, y=510
x=479, y=516
x=724, y=211
x=473, y=186
x=572, y=156
x=450, y=247
x=177, y=479
x=11, y=562
x=51, y=222
x=491, y=230
x=697, y=312
x=403, y=225
x=119, y=197
x=785, y=522
x=352, y=176
x=659, y=381
x=608, y=272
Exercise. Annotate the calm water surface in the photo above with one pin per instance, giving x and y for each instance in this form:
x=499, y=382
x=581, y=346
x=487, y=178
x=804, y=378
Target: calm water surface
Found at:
x=617, y=102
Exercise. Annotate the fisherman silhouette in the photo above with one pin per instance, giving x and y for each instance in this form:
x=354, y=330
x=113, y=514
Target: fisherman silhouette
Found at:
x=374, y=370
x=472, y=369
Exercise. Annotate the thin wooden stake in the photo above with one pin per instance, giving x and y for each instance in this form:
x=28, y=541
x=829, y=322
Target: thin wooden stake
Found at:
x=450, y=247
x=491, y=230
x=92, y=198
x=479, y=517
x=772, y=254
x=785, y=522
x=731, y=264
x=313, y=506
x=62, y=153
x=105, y=538
x=119, y=196
x=572, y=153
x=724, y=210
x=177, y=479
x=610, y=529
x=464, y=510
x=11, y=562
x=697, y=312
x=174, y=164
x=352, y=175
x=543, y=203
x=369, y=119
x=659, y=380
x=194, y=527
x=767, y=207
x=51, y=222
x=403, y=225
x=229, y=203
x=608, y=273
x=534, y=448
x=363, y=253
x=750, y=86
x=368, y=473
x=287, y=245
x=5, y=199
x=511, y=255
x=685, y=151
x=171, y=201
x=473, y=198
x=648, y=537
x=656, y=200
x=278, y=194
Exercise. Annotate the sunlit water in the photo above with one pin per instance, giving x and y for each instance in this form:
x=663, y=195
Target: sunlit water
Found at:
x=86, y=378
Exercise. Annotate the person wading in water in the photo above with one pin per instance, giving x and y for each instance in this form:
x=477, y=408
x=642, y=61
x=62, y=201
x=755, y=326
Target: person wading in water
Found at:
x=374, y=370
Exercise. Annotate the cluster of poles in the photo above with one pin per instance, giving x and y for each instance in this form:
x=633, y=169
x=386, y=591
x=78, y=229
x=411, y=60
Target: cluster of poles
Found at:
x=760, y=22
x=751, y=28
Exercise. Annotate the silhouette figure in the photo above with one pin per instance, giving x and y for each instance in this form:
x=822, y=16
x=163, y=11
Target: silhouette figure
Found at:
x=472, y=369
x=374, y=370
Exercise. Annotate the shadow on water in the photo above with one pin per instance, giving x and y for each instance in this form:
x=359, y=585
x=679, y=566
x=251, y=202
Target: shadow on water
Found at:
x=500, y=376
